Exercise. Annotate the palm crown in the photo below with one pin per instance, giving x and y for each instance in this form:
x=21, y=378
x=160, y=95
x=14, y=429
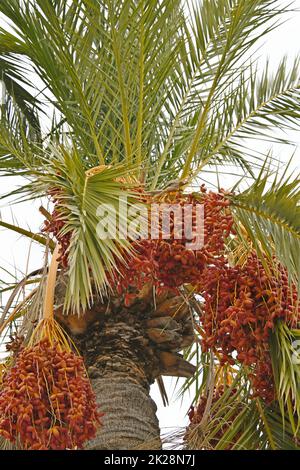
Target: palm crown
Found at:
x=158, y=91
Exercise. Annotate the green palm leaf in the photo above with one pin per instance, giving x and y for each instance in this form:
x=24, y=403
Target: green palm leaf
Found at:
x=269, y=211
x=255, y=108
x=27, y=233
x=287, y=373
x=91, y=258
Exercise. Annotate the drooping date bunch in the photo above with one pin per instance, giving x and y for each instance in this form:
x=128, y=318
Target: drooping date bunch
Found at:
x=177, y=264
x=169, y=261
x=47, y=401
x=241, y=308
x=166, y=261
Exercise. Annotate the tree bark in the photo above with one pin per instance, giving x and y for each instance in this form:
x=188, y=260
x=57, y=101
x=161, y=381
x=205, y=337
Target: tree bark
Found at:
x=121, y=368
x=129, y=420
x=125, y=348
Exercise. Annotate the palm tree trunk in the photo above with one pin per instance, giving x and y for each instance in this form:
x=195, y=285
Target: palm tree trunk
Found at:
x=130, y=420
x=125, y=348
x=121, y=367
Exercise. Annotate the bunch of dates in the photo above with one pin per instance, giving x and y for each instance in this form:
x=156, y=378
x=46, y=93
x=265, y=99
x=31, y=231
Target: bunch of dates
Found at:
x=241, y=308
x=180, y=255
x=46, y=400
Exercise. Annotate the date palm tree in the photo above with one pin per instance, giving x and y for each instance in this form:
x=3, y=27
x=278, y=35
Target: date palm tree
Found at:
x=157, y=94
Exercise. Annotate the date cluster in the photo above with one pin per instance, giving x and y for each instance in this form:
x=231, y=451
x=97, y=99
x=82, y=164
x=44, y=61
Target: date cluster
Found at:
x=168, y=262
x=46, y=400
x=241, y=308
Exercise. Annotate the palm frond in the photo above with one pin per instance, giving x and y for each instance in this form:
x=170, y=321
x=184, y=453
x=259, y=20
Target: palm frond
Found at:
x=277, y=432
x=91, y=258
x=237, y=421
x=39, y=238
x=255, y=108
x=269, y=212
x=236, y=27
x=109, y=67
x=287, y=373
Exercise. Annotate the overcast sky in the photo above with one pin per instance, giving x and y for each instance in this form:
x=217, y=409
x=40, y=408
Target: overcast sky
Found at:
x=17, y=253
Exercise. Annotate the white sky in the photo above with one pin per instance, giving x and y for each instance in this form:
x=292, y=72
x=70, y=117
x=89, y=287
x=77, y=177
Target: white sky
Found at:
x=14, y=252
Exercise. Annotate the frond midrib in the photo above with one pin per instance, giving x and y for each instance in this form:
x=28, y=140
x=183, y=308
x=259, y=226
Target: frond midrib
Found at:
x=275, y=220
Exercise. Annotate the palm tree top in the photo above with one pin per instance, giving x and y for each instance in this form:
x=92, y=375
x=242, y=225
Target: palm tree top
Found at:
x=152, y=93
